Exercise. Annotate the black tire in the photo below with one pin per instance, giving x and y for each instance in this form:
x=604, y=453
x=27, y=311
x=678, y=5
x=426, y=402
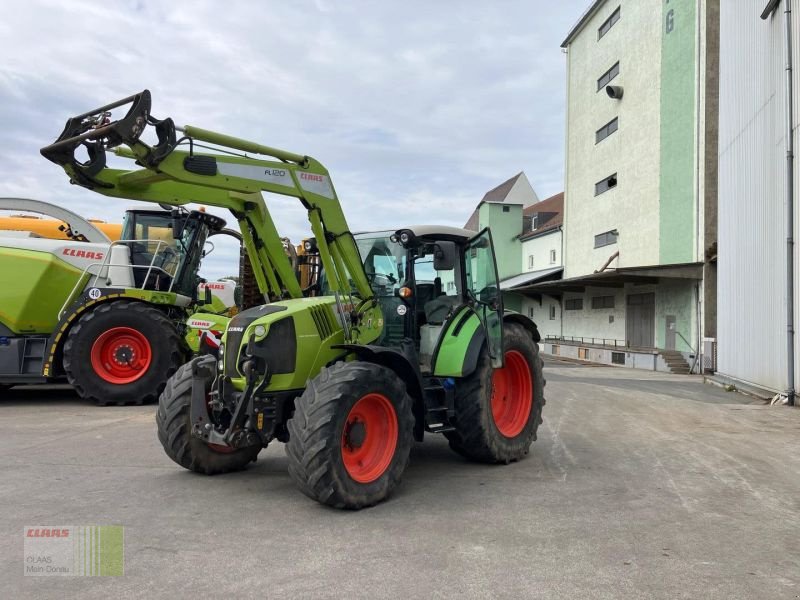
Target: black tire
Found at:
x=168, y=351
x=316, y=431
x=174, y=429
x=477, y=437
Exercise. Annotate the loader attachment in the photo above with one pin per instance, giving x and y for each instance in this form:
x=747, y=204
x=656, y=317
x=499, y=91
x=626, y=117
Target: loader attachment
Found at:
x=95, y=131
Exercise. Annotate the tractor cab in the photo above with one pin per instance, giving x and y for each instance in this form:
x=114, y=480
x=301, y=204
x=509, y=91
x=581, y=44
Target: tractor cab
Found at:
x=429, y=277
x=166, y=247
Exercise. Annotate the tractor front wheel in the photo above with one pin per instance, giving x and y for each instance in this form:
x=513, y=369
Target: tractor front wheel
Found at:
x=174, y=430
x=351, y=435
x=499, y=410
x=121, y=353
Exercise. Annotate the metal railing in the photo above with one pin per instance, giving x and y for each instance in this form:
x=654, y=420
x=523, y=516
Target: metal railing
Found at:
x=587, y=340
x=102, y=271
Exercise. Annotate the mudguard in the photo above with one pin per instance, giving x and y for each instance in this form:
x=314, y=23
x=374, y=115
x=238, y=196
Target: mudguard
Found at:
x=459, y=345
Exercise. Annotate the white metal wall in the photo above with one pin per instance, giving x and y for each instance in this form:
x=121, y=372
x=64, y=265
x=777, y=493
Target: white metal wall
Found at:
x=751, y=266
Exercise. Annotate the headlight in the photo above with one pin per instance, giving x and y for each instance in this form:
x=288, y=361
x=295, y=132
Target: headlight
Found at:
x=221, y=361
x=260, y=330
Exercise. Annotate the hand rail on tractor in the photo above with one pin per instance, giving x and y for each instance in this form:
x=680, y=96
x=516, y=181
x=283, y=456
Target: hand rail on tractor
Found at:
x=103, y=267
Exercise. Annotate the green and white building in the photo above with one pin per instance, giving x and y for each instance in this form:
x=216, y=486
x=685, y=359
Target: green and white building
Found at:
x=639, y=281
x=527, y=234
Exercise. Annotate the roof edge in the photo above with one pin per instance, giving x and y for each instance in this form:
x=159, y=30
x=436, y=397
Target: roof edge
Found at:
x=590, y=12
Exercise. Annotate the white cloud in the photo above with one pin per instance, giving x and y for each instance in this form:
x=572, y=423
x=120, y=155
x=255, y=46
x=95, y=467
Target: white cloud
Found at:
x=417, y=108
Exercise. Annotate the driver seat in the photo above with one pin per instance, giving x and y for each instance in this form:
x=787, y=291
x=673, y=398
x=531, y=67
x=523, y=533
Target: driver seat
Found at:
x=438, y=309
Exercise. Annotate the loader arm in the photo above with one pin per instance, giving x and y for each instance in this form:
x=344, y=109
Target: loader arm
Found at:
x=173, y=171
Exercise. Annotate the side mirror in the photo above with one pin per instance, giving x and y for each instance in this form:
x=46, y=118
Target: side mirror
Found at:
x=444, y=256
x=178, y=224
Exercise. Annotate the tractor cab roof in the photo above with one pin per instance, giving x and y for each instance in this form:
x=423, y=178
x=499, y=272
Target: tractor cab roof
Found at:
x=440, y=232
x=426, y=232
x=213, y=222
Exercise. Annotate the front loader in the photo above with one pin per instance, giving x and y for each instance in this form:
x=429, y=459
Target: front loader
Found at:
x=403, y=332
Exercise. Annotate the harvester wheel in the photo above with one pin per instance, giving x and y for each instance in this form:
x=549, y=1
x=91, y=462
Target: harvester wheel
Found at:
x=174, y=430
x=121, y=353
x=351, y=435
x=499, y=410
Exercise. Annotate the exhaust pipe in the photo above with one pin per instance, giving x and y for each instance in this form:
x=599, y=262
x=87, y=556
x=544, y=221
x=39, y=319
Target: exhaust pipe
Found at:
x=614, y=91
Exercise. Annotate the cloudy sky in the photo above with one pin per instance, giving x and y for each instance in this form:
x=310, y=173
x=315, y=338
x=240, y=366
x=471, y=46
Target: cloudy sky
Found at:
x=416, y=108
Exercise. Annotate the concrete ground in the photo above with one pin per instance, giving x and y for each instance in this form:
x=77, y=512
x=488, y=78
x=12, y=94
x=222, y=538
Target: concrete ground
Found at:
x=641, y=485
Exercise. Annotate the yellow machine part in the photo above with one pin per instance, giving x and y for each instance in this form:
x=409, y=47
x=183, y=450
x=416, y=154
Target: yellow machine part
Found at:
x=49, y=228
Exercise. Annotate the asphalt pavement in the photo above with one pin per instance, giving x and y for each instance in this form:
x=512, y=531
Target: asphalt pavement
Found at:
x=641, y=485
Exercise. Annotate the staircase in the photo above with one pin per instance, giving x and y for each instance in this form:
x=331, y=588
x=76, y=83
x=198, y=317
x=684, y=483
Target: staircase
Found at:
x=675, y=361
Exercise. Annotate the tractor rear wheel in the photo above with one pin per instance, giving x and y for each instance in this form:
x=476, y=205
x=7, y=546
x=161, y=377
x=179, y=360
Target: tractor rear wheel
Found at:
x=174, y=430
x=351, y=435
x=122, y=352
x=498, y=411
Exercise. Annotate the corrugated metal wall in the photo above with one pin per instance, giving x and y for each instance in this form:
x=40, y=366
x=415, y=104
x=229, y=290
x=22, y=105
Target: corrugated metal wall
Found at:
x=751, y=265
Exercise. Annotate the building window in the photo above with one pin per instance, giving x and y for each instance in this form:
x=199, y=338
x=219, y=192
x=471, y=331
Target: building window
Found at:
x=603, y=302
x=606, y=239
x=606, y=77
x=552, y=312
x=606, y=130
x=530, y=261
x=617, y=358
x=608, y=24
x=605, y=184
x=506, y=208
x=552, y=257
x=530, y=312
x=535, y=221
x=573, y=304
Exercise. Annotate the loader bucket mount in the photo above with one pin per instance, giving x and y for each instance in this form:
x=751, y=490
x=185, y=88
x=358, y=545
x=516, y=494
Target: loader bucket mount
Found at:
x=97, y=132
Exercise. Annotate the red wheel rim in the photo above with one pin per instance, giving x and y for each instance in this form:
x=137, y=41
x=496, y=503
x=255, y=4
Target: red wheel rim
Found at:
x=121, y=355
x=512, y=395
x=369, y=438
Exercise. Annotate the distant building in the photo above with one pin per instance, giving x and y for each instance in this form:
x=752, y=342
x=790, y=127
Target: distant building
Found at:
x=501, y=210
x=640, y=183
x=527, y=240
x=541, y=250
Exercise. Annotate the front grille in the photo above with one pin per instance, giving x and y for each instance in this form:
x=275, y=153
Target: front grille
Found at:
x=234, y=340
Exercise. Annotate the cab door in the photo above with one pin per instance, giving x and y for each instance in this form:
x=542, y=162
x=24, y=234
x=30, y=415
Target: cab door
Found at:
x=483, y=291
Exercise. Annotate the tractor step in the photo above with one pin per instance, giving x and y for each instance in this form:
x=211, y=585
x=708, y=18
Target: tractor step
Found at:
x=439, y=407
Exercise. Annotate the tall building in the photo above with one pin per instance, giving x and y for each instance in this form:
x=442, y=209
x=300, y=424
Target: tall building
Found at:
x=640, y=181
x=758, y=192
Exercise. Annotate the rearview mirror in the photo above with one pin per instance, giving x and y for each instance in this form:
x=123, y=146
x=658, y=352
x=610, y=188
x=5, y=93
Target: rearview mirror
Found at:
x=444, y=256
x=178, y=224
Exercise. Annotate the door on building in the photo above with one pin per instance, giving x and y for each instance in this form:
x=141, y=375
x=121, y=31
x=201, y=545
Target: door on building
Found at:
x=640, y=320
x=669, y=333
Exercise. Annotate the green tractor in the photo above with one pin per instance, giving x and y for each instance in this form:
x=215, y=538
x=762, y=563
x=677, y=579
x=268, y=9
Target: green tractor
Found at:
x=403, y=333
x=109, y=317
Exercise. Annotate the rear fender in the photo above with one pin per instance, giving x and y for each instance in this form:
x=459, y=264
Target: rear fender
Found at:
x=528, y=324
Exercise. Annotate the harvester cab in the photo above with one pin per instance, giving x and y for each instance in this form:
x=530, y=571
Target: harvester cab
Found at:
x=403, y=333
x=71, y=303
